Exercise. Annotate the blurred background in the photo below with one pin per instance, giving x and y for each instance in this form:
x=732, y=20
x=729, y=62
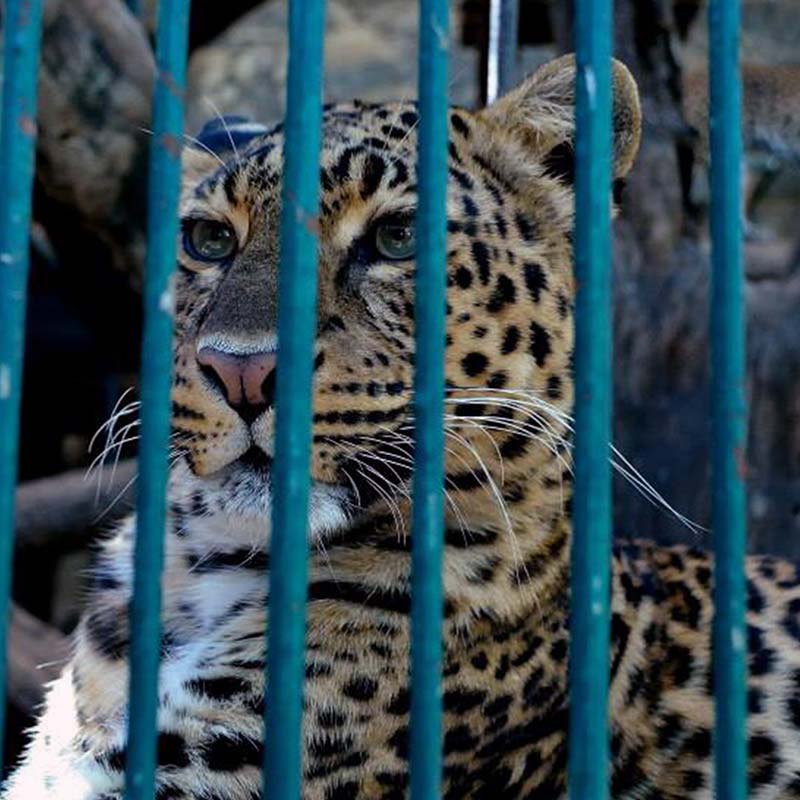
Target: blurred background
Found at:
x=84, y=324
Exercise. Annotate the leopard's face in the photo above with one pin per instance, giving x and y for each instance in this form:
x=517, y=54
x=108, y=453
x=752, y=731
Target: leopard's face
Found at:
x=509, y=305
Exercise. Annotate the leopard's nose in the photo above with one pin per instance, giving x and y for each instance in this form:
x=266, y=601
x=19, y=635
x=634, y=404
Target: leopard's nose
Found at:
x=247, y=380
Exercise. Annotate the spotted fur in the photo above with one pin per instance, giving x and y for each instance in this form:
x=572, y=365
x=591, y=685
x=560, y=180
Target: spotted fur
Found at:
x=770, y=135
x=770, y=123
x=509, y=395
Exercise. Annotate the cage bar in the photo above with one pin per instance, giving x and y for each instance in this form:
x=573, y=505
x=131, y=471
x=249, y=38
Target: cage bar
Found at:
x=21, y=40
x=501, y=59
x=297, y=293
x=591, y=547
x=589, y=659
x=729, y=412
x=428, y=481
x=156, y=377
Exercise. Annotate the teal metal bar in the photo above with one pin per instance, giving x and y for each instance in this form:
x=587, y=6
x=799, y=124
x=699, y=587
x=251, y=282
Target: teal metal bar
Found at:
x=729, y=412
x=297, y=294
x=21, y=38
x=502, y=51
x=162, y=234
x=591, y=547
x=428, y=482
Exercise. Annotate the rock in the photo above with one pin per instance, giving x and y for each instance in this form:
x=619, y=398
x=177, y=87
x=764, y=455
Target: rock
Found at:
x=370, y=53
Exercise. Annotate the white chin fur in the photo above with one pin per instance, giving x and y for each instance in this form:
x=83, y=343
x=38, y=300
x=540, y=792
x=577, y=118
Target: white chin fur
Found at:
x=326, y=511
x=241, y=503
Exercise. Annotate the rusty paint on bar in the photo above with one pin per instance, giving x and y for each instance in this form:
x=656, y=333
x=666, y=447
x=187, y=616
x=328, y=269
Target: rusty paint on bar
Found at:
x=156, y=378
x=21, y=41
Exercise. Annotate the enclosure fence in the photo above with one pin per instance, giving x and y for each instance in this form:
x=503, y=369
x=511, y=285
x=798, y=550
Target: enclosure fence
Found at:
x=589, y=660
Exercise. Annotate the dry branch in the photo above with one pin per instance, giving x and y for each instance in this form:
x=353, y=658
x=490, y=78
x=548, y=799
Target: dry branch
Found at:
x=70, y=503
x=36, y=655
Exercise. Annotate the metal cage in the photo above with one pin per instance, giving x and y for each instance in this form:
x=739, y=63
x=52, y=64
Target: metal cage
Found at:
x=588, y=743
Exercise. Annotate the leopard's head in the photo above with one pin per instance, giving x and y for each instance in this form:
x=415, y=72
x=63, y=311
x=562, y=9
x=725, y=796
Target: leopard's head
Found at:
x=510, y=291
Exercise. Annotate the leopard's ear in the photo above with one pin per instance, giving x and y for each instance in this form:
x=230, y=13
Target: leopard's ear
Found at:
x=224, y=135
x=216, y=141
x=541, y=113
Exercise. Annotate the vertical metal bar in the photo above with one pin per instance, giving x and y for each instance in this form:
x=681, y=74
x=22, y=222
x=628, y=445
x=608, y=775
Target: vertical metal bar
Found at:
x=729, y=413
x=502, y=56
x=21, y=38
x=156, y=378
x=297, y=294
x=591, y=547
x=428, y=482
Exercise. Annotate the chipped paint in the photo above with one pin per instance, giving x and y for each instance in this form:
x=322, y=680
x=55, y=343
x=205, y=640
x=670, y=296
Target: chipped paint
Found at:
x=166, y=300
x=171, y=144
x=742, y=467
x=172, y=86
x=590, y=82
x=5, y=382
x=27, y=125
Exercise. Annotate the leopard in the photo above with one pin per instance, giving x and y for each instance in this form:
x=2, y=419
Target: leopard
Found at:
x=770, y=129
x=507, y=495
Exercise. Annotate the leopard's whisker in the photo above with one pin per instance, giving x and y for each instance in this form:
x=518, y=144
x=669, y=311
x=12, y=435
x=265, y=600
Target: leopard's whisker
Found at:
x=109, y=426
x=107, y=450
x=393, y=124
x=409, y=463
x=113, y=415
x=404, y=459
x=504, y=426
x=456, y=455
x=516, y=426
x=203, y=146
x=625, y=469
x=173, y=456
x=213, y=106
x=354, y=456
x=385, y=495
x=492, y=488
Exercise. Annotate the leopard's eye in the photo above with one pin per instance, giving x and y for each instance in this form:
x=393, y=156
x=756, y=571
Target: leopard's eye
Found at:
x=396, y=240
x=209, y=240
